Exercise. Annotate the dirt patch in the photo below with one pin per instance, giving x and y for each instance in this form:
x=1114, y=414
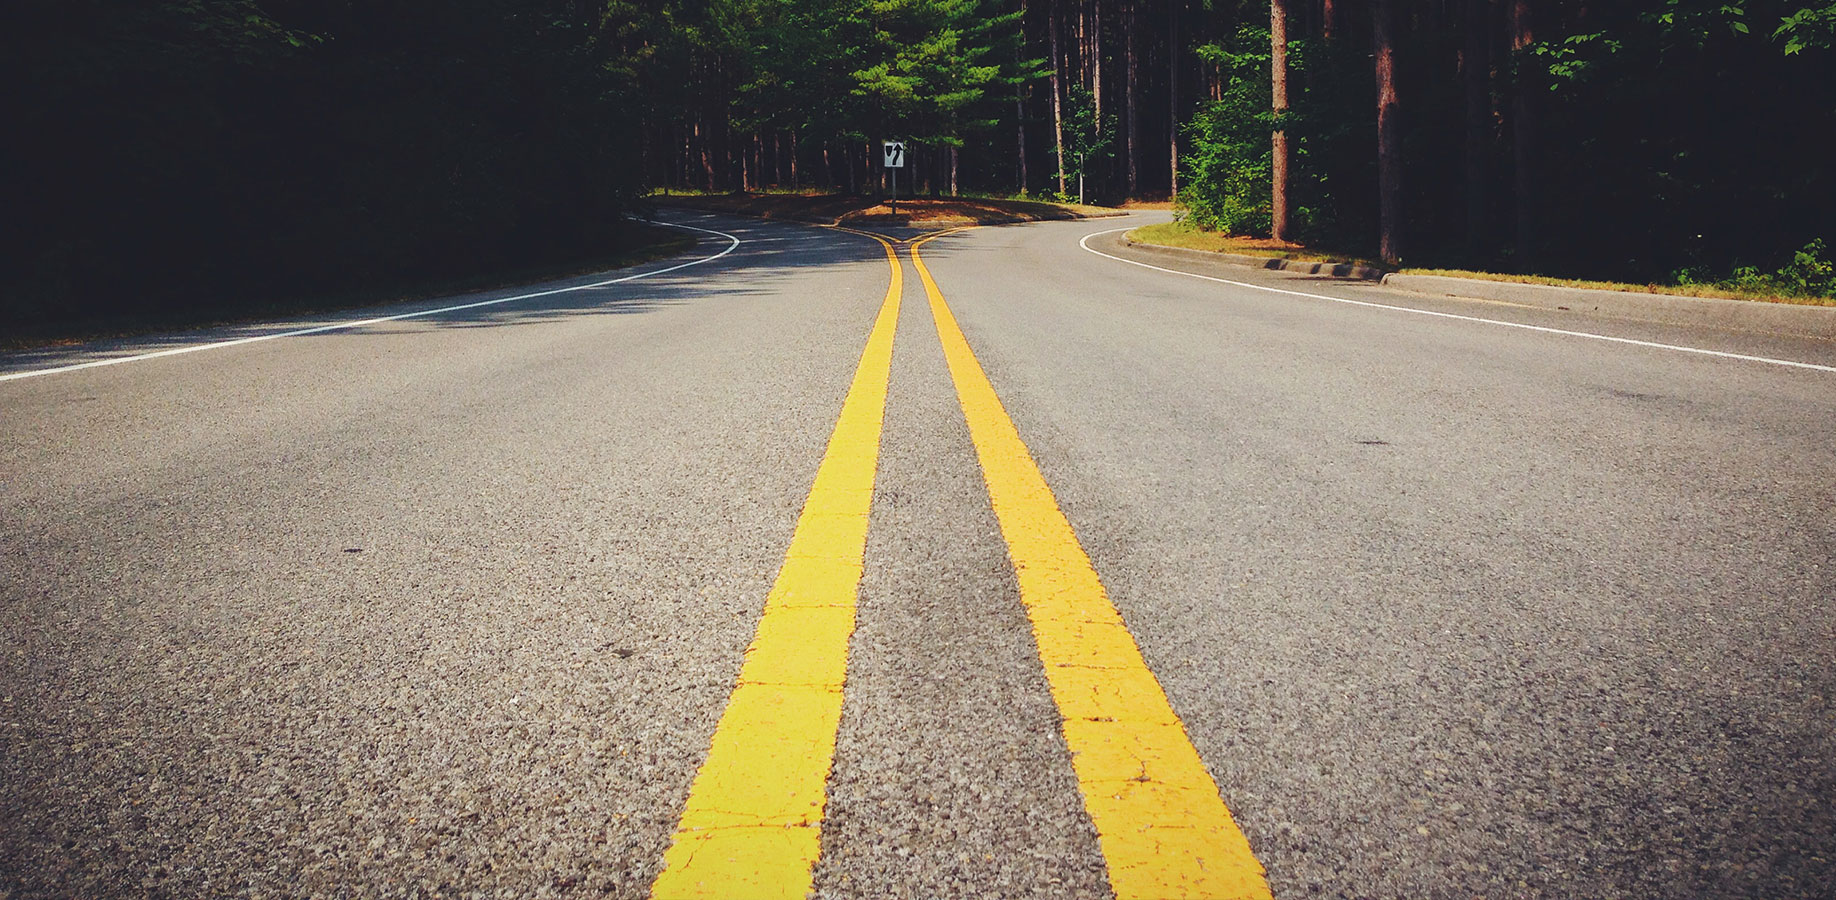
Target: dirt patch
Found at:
x=842, y=209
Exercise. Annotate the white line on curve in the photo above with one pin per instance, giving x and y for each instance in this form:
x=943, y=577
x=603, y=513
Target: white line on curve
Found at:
x=359, y=323
x=1085, y=243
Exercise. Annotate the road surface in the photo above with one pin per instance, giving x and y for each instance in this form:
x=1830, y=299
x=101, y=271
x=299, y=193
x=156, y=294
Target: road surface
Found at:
x=456, y=602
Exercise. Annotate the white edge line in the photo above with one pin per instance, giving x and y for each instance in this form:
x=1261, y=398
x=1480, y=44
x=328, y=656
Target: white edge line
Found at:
x=359, y=323
x=1085, y=243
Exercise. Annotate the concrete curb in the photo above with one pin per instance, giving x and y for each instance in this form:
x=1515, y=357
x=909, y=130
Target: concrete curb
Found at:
x=1669, y=309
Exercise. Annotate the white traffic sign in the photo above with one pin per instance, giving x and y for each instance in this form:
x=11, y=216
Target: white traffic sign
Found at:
x=895, y=154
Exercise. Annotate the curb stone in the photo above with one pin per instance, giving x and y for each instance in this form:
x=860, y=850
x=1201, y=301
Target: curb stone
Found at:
x=1336, y=270
x=1670, y=309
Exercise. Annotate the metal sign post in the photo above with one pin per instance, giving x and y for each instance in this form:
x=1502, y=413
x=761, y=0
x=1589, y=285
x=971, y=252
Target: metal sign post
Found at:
x=894, y=157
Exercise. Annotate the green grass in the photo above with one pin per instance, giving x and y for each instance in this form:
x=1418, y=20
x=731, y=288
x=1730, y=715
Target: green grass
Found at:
x=1183, y=234
x=1191, y=237
x=1679, y=290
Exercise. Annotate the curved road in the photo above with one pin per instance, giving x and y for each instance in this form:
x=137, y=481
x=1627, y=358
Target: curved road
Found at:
x=454, y=602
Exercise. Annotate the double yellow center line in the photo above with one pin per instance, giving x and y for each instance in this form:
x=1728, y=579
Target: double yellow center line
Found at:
x=752, y=826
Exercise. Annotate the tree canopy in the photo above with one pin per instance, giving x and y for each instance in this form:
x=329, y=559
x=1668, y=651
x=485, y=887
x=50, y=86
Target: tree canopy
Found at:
x=270, y=148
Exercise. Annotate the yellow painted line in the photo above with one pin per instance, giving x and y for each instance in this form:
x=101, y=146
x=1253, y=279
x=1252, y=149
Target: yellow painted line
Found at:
x=1164, y=831
x=918, y=238
x=863, y=233
x=752, y=827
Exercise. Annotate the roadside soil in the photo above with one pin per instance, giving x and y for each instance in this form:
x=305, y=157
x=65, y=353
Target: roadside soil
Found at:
x=1186, y=237
x=843, y=209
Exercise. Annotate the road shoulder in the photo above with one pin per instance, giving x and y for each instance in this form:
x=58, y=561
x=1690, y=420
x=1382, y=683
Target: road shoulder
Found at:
x=1708, y=312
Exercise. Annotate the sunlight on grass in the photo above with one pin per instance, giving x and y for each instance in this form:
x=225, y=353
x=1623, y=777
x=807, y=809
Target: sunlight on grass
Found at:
x=1191, y=237
x=1183, y=234
x=1677, y=290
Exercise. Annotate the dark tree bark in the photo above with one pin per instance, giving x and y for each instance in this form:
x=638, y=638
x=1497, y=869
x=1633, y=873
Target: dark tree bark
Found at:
x=1020, y=103
x=1475, y=71
x=1058, y=109
x=1096, y=64
x=1329, y=19
x=707, y=157
x=1278, y=77
x=1389, y=135
x=1132, y=75
x=1523, y=134
x=1173, y=98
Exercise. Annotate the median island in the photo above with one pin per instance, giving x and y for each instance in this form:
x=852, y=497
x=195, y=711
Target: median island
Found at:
x=863, y=211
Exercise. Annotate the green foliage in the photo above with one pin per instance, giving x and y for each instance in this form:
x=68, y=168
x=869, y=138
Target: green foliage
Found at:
x=1809, y=274
x=1227, y=170
x=1088, y=141
x=934, y=66
x=1573, y=60
x=1811, y=26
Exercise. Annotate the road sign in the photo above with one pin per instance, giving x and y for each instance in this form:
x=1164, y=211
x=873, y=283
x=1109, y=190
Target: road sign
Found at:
x=895, y=154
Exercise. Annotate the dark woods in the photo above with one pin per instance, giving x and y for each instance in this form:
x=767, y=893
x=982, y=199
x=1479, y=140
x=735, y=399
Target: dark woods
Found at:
x=1654, y=140
x=184, y=154
x=211, y=156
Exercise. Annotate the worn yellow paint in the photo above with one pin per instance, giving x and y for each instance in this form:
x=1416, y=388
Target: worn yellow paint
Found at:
x=752, y=825
x=1164, y=831
x=916, y=238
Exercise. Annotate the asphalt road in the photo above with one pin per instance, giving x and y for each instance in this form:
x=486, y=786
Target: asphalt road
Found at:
x=452, y=605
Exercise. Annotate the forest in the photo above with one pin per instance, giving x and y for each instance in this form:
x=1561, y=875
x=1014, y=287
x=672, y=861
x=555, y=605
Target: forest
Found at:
x=191, y=154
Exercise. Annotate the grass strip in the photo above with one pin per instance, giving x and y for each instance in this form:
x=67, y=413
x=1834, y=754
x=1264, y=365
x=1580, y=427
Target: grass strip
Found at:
x=1188, y=236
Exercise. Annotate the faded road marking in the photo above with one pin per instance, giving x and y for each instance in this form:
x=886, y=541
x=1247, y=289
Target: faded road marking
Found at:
x=1085, y=243
x=1164, y=831
x=359, y=323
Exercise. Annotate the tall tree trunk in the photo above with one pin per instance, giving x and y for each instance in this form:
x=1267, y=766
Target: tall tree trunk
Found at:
x=748, y=172
x=1389, y=135
x=1475, y=71
x=707, y=157
x=1278, y=77
x=1523, y=134
x=730, y=149
x=1329, y=19
x=1058, y=107
x=1173, y=99
x=1132, y=48
x=793, y=160
x=953, y=168
x=1020, y=136
x=1081, y=43
x=1020, y=102
x=1096, y=65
